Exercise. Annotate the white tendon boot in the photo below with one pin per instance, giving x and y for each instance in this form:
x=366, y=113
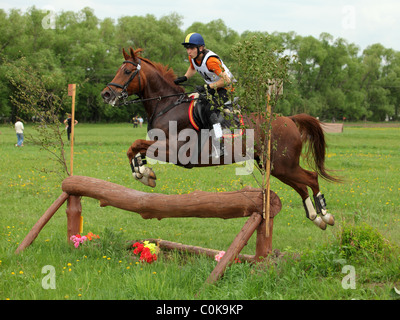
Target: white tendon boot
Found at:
x=141, y=173
x=312, y=214
x=320, y=204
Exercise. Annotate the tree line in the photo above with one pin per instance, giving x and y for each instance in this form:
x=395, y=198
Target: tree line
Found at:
x=329, y=78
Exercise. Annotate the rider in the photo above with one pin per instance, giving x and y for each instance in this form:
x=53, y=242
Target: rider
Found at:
x=217, y=76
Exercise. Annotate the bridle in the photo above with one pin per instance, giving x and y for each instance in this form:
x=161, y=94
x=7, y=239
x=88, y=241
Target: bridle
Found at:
x=124, y=93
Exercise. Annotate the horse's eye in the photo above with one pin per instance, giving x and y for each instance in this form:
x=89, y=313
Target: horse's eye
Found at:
x=127, y=71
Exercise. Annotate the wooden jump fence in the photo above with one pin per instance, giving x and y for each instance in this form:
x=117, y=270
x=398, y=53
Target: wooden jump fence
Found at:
x=247, y=202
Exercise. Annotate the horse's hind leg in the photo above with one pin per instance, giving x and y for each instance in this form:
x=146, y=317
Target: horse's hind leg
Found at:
x=301, y=189
x=309, y=178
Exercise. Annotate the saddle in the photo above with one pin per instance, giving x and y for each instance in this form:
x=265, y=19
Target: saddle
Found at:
x=200, y=113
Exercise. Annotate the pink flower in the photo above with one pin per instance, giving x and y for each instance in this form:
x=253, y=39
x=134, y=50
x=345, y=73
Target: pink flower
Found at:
x=78, y=239
x=219, y=255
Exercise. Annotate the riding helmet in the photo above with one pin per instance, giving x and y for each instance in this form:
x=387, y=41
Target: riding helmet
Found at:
x=194, y=39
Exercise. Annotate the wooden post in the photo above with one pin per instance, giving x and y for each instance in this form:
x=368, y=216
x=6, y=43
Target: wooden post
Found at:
x=277, y=88
x=74, y=211
x=236, y=246
x=31, y=236
x=71, y=92
x=264, y=241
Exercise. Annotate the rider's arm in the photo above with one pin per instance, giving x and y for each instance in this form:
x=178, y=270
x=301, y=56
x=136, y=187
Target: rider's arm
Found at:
x=190, y=72
x=214, y=65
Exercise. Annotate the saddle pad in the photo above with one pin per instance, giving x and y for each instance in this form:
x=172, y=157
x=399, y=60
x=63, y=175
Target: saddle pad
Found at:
x=194, y=98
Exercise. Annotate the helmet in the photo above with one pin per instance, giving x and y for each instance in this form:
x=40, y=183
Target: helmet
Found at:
x=194, y=39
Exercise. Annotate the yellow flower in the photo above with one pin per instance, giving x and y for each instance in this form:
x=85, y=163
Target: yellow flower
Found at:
x=151, y=246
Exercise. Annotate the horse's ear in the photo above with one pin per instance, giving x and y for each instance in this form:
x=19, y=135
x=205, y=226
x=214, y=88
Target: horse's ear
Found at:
x=132, y=53
x=126, y=56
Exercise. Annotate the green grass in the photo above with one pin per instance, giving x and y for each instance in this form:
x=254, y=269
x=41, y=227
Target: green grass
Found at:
x=369, y=159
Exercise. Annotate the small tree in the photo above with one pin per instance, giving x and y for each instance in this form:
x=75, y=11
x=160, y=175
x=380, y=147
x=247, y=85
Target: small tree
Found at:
x=34, y=101
x=261, y=70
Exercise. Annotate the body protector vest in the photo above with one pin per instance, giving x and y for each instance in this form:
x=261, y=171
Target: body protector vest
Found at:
x=209, y=76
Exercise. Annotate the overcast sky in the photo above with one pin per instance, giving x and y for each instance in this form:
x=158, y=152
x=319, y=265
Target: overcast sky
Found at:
x=363, y=22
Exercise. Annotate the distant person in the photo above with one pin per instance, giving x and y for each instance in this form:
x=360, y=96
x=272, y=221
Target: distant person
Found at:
x=68, y=123
x=19, y=129
x=135, y=121
x=141, y=121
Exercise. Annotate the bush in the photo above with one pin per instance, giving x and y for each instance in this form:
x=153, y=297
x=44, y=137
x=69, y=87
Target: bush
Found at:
x=361, y=241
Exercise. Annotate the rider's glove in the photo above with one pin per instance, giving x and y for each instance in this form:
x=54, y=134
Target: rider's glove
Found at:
x=180, y=80
x=205, y=89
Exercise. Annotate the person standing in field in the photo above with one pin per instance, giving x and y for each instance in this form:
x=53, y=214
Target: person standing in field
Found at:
x=215, y=73
x=19, y=129
x=68, y=123
x=135, y=121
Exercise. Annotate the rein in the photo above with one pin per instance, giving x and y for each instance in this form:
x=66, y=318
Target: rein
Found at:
x=159, y=98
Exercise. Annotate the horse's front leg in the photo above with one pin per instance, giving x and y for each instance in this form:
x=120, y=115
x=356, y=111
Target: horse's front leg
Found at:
x=136, y=154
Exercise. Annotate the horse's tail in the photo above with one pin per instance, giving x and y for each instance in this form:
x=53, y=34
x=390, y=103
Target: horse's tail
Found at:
x=312, y=134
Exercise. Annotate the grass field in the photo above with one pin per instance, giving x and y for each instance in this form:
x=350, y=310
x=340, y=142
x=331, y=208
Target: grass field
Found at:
x=366, y=235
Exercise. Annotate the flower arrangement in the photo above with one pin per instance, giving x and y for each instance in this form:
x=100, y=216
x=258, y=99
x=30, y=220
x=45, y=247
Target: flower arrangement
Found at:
x=146, y=250
x=79, y=239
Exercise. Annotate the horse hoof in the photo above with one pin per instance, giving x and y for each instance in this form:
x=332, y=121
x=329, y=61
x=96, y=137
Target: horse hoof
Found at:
x=151, y=174
x=319, y=223
x=148, y=172
x=145, y=180
x=329, y=219
x=152, y=183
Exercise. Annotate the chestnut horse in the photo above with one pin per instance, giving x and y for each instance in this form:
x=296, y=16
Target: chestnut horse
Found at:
x=167, y=107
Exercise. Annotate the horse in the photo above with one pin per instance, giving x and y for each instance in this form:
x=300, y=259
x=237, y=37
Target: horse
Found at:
x=167, y=103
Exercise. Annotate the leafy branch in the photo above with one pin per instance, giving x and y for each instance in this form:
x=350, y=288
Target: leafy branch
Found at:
x=261, y=71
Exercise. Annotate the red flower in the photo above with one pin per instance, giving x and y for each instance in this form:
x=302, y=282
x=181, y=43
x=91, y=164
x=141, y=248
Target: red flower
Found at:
x=145, y=253
x=139, y=248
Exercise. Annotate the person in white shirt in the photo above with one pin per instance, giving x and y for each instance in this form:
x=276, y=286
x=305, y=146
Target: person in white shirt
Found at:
x=19, y=129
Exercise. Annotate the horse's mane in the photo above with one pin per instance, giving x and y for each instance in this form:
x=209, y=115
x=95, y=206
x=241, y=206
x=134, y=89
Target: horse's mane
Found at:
x=167, y=72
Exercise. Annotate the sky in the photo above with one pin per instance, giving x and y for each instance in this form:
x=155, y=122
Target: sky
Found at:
x=362, y=22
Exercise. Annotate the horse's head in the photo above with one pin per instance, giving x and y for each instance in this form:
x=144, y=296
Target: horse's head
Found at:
x=127, y=81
